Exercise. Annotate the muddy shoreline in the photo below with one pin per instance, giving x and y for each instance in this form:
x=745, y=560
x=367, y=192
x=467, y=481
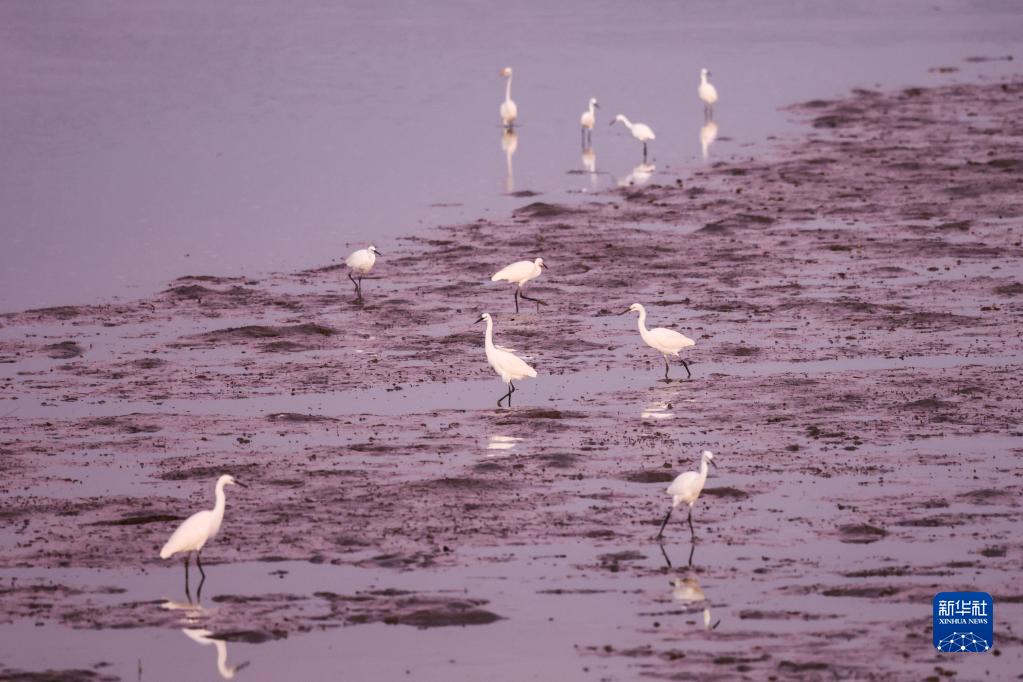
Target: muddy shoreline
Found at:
x=855, y=297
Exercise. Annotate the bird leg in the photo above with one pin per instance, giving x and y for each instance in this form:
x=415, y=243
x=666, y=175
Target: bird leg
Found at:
x=506, y=395
x=584, y=138
x=357, y=291
x=188, y=593
x=516, y=299
x=535, y=300
x=692, y=550
x=691, y=531
x=664, y=553
x=666, y=368
x=644, y=152
x=665, y=523
x=686, y=365
x=198, y=562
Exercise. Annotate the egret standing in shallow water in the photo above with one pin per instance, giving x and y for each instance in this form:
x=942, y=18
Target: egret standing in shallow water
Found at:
x=360, y=263
x=664, y=341
x=708, y=93
x=519, y=273
x=687, y=488
x=588, y=120
x=509, y=112
x=200, y=527
x=640, y=131
x=507, y=365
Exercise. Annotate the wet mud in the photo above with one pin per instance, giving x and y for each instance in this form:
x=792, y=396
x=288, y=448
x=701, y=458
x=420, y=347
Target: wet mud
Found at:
x=855, y=297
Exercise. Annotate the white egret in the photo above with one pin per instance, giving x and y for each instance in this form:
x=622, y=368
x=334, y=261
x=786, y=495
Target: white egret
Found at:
x=509, y=112
x=360, y=263
x=507, y=365
x=640, y=131
x=708, y=93
x=588, y=120
x=197, y=529
x=204, y=637
x=664, y=341
x=687, y=488
x=708, y=133
x=519, y=273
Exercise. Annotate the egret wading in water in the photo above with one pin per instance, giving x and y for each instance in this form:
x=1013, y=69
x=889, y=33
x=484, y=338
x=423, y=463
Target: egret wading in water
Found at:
x=509, y=112
x=664, y=341
x=198, y=529
x=360, y=263
x=588, y=120
x=687, y=488
x=640, y=131
x=708, y=93
x=519, y=273
x=507, y=365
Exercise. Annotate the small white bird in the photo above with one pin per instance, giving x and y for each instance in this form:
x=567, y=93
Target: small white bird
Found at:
x=640, y=131
x=588, y=120
x=708, y=93
x=204, y=637
x=197, y=529
x=687, y=488
x=507, y=365
x=509, y=112
x=360, y=263
x=519, y=273
x=664, y=341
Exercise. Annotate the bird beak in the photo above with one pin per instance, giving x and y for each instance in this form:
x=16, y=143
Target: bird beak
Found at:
x=479, y=320
x=627, y=310
x=377, y=252
x=544, y=266
x=596, y=105
x=612, y=123
x=713, y=463
x=239, y=483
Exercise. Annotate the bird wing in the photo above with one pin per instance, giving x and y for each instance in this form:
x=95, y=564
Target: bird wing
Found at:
x=188, y=535
x=513, y=272
x=644, y=131
x=684, y=484
x=358, y=259
x=669, y=338
x=511, y=364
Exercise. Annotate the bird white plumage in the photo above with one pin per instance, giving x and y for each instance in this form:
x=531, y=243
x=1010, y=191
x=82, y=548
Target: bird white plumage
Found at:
x=205, y=637
x=507, y=365
x=360, y=263
x=664, y=341
x=686, y=488
x=518, y=273
x=707, y=92
x=509, y=112
x=640, y=131
x=193, y=534
x=589, y=117
x=708, y=133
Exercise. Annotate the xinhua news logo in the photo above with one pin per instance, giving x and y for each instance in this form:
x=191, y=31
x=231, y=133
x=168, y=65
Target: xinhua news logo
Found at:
x=964, y=622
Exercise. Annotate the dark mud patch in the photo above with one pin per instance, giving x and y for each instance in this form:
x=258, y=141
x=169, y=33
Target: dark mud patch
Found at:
x=877, y=592
x=539, y=209
x=397, y=607
x=248, y=636
x=298, y=418
x=210, y=472
x=986, y=496
x=71, y=675
x=65, y=350
x=649, y=476
x=139, y=520
x=860, y=533
x=262, y=332
x=726, y=492
x=125, y=424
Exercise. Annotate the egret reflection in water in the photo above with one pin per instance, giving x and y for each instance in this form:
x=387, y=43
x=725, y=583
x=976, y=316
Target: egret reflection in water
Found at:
x=589, y=160
x=657, y=411
x=203, y=637
x=502, y=442
x=640, y=175
x=688, y=592
x=708, y=133
x=509, y=143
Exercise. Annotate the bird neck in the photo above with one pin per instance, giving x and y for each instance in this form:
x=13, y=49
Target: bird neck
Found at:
x=218, y=508
x=592, y=112
x=225, y=671
x=703, y=78
x=641, y=322
x=507, y=89
x=704, y=468
x=626, y=122
x=489, y=339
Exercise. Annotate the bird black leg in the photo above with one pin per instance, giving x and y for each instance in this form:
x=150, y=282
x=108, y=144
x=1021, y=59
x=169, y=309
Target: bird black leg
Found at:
x=664, y=523
x=692, y=550
x=188, y=593
x=691, y=531
x=686, y=365
x=664, y=553
x=198, y=562
x=506, y=395
x=666, y=368
x=355, y=283
x=534, y=300
x=516, y=300
x=644, y=152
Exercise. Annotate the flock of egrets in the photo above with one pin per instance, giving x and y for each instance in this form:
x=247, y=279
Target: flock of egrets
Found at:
x=193, y=534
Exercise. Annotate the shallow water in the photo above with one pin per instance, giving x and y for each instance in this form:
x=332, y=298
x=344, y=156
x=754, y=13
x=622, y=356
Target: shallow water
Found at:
x=143, y=141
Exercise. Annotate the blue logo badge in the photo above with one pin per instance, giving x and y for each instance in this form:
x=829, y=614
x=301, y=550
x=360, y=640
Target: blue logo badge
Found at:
x=964, y=622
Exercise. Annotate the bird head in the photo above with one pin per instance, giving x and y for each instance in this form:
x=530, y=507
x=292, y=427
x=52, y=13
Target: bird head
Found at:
x=228, y=479
x=506, y=71
x=483, y=316
x=374, y=250
x=708, y=457
x=617, y=118
x=539, y=262
x=704, y=73
x=634, y=308
x=593, y=102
